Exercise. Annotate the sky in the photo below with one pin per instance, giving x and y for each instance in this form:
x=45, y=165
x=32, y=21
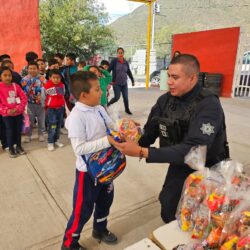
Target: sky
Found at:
x=118, y=8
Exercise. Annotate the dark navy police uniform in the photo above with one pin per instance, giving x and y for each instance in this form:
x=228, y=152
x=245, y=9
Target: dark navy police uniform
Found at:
x=196, y=118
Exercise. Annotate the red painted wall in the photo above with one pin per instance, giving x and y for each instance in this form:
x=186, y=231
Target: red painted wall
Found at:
x=215, y=49
x=20, y=31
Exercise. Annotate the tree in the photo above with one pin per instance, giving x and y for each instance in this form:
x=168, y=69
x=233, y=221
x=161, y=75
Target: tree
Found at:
x=73, y=26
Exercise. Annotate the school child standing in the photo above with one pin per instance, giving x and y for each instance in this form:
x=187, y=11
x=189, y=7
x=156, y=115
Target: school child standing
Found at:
x=104, y=64
x=41, y=66
x=12, y=105
x=69, y=69
x=33, y=86
x=87, y=132
x=30, y=56
x=104, y=78
x=54, y=64
x=55, y=107
x=16, y=78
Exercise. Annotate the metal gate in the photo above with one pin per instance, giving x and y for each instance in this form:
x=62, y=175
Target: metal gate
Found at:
x=241, y=84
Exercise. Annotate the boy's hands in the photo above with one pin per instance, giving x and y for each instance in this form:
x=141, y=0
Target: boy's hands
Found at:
x=111, y=140
x=131, y=148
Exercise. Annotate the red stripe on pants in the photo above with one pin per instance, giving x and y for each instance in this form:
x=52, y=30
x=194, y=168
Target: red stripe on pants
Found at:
x=77, y=212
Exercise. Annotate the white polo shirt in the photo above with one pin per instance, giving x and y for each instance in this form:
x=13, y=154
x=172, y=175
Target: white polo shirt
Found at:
x=87, y=131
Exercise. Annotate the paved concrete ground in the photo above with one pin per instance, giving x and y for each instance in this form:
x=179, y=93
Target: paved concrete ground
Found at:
x=36, y=189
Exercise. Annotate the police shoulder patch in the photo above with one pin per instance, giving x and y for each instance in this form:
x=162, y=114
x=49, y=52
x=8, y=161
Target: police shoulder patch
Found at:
x=207, y=129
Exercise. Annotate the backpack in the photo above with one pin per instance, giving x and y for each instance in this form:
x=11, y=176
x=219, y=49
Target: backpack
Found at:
x=26, y=124
x=105, y=165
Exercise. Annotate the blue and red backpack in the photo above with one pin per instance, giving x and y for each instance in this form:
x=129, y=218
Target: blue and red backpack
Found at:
x=105, y=165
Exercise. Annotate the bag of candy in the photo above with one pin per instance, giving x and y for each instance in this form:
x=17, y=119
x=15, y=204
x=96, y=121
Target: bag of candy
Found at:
x=224, y=199
x=192, y=194
x=202, y=216
x=124, y=128
x=238, y=223
x=193, y=191
x=204, y=194
x=201, y=221
x=129, y=129
x=243, y=242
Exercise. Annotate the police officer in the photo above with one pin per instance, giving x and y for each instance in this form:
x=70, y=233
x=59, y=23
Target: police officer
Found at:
x=186, y=116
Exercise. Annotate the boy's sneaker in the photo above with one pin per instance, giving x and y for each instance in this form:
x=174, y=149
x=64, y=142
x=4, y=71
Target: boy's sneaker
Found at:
x=12, y=153
x=51, y=146
x=20, y=150
x=59, y=144
x=105, y=236
x=27, y=139
x=41, y=138
x=79, y=247
x=5, y=148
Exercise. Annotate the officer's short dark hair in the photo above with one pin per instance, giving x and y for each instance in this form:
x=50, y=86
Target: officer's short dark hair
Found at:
x=190, y=61
x=31, y=56
x=80, y=82
x=54, y=72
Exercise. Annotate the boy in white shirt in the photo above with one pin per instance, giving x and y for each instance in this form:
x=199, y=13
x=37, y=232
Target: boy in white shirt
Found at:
x=87, y=132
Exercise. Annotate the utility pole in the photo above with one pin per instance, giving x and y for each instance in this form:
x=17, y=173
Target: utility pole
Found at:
x=153, y=27
x=156, y=10
x=148, y=43
x=150, y=5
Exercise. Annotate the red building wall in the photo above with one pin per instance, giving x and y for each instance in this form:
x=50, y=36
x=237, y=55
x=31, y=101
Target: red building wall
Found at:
x=215, y=49
x=19, y=29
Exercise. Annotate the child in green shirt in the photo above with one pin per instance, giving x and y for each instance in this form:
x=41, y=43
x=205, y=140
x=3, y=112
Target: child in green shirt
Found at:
x=104, y=78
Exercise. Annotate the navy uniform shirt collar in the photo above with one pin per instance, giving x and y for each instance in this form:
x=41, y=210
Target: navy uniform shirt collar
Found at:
x=192, y=93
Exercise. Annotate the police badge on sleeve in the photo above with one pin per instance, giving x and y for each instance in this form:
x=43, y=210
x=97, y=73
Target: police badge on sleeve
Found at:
x=207, y=129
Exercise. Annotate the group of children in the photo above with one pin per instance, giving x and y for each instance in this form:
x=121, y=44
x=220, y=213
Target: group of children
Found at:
x=42, y=91
x=44, y=95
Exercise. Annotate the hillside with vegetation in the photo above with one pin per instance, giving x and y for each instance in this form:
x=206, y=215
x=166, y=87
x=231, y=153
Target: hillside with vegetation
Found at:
x=179, y=16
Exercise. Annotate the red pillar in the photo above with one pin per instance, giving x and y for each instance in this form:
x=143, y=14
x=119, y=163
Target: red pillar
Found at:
x=20, y=30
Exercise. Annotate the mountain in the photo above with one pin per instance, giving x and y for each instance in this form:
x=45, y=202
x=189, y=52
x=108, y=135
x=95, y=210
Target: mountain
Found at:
x=180, y=16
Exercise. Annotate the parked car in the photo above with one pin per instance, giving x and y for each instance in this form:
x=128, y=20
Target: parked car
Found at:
x=155, y=78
